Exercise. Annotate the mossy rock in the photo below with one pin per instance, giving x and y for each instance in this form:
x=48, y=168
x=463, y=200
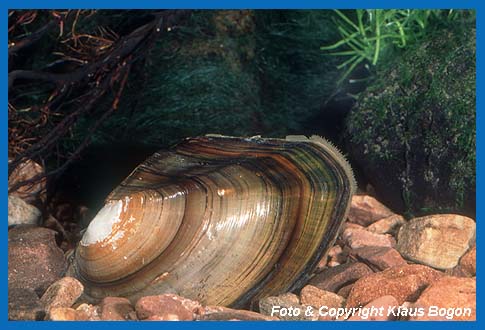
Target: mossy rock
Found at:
x=412, y=131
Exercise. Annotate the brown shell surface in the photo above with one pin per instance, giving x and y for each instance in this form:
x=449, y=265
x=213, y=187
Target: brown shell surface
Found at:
x=218, y=219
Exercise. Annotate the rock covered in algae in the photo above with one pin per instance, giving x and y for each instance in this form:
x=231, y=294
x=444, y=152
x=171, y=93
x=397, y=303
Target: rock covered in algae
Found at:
x=412, y=131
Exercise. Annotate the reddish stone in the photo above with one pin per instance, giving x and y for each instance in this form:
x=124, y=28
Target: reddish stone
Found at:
x=167, y=306
x=62, y=293
x=332, y=279
x=333, y=263
x=66, y=314
x=334, y=255
x=466, y=266
x=389, y=225
x=132, y=316
x=457, y=271
x=322, y=264
x=437, y=240
x=335, y=251
x=34, y=260
x=169, y=317
x=405, y=283
x=357, y=238
x=449, y=294
x=115, y=308
x=285, y=301
x=24, y=305
x=469, y=261
x=350, y=225
x=365, y=210
x=379, y=258
x=312, y=296
x=92, y=311
x=345, y=291
x=377, y=310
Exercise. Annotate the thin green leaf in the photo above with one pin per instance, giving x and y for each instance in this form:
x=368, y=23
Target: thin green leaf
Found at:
x=345, y=53
x=350, y=69
x=378, y=40
x=360, y=14
x=401, y=34
x=335, y=45
x=352, y=38
x=340, y=42
x=346, y=19
x=386, y=36
x=343, y=65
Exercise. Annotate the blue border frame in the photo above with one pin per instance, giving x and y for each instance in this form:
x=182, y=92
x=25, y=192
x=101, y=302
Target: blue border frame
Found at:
x=234, y=4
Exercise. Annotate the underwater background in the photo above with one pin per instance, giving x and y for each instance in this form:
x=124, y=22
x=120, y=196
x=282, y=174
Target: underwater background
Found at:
x=94, y=93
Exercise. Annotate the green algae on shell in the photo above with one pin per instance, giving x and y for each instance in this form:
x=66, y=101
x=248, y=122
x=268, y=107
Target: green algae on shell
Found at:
x=222, y=220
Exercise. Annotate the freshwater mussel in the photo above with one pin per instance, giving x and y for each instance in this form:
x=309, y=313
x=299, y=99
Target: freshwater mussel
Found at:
x=222, y=220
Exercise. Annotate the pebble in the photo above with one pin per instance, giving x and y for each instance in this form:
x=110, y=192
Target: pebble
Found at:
x=469, y=261
x=377, y=310
x=219, y=313
x=379, y=258
x=449, y=293
x=405, y=283
x=334, y=257
x=23, y=172
x=92, y=311
x=289, y=298
x=24, y=304
x=21, y=213
x=457, y=271
x=345, y=291
x=347, y=225
x=333, y=263
x=313, y=296
x=115, y=309
x=365, y=210
x=66, y=314
x=389, y=225
x=169, y=317
x=438, y=240
x=333, y=279
x=34, y=260
x=167, y=307
x=83, y=312
x=62, y=293
x=286, y=301
x=335, y=251
x=357, y=238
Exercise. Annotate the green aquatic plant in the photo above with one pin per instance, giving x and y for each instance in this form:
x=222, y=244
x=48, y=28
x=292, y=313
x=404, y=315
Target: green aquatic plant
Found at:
x=367, y=34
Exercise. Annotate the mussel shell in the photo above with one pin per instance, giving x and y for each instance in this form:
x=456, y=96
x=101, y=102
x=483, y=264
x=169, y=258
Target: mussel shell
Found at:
x=221, y=220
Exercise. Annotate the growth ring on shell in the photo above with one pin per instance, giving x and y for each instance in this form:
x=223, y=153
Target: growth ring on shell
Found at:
x=221, y=220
